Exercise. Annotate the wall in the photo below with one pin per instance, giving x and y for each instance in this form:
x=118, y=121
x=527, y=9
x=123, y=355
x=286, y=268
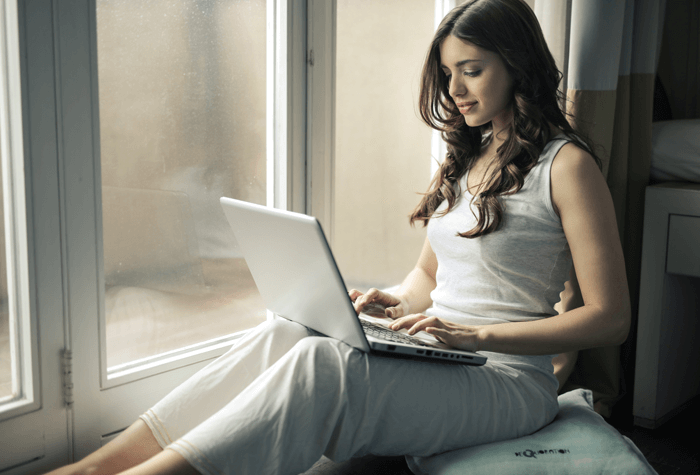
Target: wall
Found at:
x=382, y=147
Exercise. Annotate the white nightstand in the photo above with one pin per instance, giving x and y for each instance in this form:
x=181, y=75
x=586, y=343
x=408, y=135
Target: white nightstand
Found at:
x=667, y=373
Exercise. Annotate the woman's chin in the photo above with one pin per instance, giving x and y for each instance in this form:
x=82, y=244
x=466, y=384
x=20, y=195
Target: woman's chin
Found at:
x=472, y=121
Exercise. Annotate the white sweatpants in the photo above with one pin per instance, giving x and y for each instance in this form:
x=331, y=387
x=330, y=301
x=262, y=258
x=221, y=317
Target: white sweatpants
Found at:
x=281, y=398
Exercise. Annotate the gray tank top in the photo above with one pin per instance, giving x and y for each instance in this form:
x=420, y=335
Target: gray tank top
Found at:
x=514, y=274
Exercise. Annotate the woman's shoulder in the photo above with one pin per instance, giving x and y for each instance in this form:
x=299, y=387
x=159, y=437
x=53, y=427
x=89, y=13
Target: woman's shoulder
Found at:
x=574, y=170
x=572, y=159
x=571, y=156
x=561, y=152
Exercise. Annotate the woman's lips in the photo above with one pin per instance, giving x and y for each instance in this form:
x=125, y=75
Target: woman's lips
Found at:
x=465, y=107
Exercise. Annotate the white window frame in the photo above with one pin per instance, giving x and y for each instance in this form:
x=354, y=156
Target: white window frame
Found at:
x=287, y=74
x=35, y=434
x=320, y=117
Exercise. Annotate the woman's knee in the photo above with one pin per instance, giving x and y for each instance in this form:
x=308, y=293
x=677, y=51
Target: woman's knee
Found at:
x=317, y=346
x=330, y=356
x=279, y=332
x=272, y=337
x=283, y=326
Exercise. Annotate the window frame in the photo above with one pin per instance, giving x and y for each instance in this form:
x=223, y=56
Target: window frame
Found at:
x=38, y=430
x=320, y=118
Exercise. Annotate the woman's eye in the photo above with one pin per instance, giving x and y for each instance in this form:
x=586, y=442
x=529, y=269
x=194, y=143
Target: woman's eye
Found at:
x=472, y=74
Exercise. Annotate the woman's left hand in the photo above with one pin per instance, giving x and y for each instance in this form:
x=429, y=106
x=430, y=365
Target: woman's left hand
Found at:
x=457, y=336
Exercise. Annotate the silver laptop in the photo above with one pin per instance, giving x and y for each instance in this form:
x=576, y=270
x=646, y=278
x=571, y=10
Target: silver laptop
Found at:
x=298, y=279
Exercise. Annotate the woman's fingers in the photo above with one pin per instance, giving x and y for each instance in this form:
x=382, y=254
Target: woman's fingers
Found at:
x=376, y=297
x=394, y=312
x=424, y=323
x=449, y=333
x=354, y=293
x=415, y=323
x=361, y=300
x=407, y=322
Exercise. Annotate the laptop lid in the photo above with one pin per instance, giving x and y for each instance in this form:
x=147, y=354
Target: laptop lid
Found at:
x=297, y=276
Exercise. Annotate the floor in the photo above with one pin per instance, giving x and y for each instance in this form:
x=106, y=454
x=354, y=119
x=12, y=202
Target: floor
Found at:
x=671, y=449
x=369, y=465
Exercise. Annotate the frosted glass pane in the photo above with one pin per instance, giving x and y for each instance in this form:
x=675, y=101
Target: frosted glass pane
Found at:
x=182, y=123
x=382, y=149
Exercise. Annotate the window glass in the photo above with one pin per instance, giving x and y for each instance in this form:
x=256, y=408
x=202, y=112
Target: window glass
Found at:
x=182, y=122
x=382, y=149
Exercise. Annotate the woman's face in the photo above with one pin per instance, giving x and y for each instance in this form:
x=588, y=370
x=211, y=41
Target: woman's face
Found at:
x=479, y=82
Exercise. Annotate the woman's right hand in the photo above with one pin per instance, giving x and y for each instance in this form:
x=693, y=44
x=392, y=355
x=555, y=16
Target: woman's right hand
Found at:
x=378, y=303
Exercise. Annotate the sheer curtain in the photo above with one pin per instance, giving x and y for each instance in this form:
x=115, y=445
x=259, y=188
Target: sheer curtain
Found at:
x=608, y=51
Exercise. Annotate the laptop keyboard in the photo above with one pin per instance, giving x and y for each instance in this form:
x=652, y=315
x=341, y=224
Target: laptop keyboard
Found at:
x=382, y=332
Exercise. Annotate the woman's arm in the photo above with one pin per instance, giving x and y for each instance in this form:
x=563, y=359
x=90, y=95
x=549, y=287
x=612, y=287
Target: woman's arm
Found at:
x=582, y=200
x=413, y=296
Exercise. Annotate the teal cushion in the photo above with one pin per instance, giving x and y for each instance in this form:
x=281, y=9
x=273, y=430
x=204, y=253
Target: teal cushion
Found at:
x=578, y=441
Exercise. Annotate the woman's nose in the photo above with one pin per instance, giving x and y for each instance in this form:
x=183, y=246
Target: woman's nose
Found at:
x=456, y=88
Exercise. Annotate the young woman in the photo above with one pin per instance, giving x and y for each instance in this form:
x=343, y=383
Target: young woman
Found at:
x=518, y=197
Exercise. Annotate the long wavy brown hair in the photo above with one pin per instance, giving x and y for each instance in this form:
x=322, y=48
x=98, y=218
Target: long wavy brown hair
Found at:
x=510, y=29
